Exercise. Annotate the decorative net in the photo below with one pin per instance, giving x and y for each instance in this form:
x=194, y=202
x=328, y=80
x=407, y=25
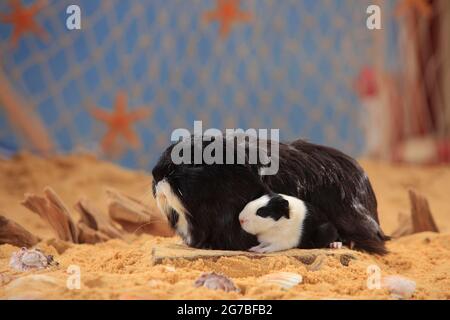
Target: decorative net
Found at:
x=278, y=64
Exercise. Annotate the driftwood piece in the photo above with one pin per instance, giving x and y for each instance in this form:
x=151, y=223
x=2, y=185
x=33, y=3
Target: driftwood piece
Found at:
x=89, y=235
x=54, y=212
x=14, y=234
x=167, y=252
x=122, y=207
x=136, y=217
x=404, y=226
x=94, y=219
x=94, y=227
x=420, y=220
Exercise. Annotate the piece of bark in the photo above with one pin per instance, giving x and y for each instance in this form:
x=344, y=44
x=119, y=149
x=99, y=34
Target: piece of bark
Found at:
x=136, y=217
x=94, y=219
x=422, y=219
x=89, y=235
x=16, y=235
x=54, y=212
x=122, y=207
x=163, y=253
x=405, y=226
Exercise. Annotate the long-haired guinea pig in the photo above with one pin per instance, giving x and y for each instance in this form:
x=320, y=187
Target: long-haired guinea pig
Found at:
x=202, y=201
x=282, y=222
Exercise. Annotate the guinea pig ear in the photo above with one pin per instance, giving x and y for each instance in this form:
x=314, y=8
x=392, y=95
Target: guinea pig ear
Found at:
x=281, y=205
x=276, y=208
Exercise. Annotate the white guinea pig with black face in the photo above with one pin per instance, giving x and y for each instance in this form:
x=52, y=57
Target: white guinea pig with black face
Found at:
x=282, y=222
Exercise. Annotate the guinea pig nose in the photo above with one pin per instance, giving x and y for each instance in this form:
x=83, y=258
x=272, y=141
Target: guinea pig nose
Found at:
x=242, y=221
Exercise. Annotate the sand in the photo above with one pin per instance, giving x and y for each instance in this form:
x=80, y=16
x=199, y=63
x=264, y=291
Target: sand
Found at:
x=123, y=269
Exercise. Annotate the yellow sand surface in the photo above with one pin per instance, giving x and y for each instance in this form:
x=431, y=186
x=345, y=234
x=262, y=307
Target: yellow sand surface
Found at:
x=123, y=269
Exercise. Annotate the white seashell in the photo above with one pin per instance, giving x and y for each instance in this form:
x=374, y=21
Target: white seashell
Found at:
x=215, y=281
x=25, y=259
x=399, y=287
x=285, y=280
x=34, y=259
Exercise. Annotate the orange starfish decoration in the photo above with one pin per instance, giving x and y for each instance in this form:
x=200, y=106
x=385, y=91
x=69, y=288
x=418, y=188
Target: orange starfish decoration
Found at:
x=120, y=122
x=226, y=13
x=23, y=20
x=422, y=6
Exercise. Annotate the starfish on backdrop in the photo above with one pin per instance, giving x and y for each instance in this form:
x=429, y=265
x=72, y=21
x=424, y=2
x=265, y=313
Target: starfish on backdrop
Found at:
x=120, y=123
x=227, y=13
x=23, y=20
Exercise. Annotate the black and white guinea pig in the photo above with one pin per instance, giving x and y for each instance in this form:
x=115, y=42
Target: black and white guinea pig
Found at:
x=282, y=222
x=203, y=201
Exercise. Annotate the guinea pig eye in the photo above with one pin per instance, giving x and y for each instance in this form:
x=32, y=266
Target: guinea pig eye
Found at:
x=264, y=212
x=276, y=208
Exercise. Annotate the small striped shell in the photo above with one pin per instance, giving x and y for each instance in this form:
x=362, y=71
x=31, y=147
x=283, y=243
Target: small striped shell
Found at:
x=215, y=281
x=25, y=259
x=399, y=287
x=285, y=280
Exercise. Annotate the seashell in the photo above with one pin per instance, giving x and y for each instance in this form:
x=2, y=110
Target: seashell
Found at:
x=285, y=280
x=399, y=287
x=215, y=281
x=25, y=259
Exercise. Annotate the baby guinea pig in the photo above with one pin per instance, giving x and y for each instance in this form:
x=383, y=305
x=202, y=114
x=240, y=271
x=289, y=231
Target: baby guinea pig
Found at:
x=282, y=222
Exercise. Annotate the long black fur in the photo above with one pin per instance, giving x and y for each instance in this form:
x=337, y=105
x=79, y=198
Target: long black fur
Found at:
x=329, y=180
x=317, y=230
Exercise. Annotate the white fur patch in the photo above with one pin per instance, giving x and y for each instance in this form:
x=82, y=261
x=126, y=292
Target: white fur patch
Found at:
x=274, y=235
x=166, y=199
x=336, y=245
